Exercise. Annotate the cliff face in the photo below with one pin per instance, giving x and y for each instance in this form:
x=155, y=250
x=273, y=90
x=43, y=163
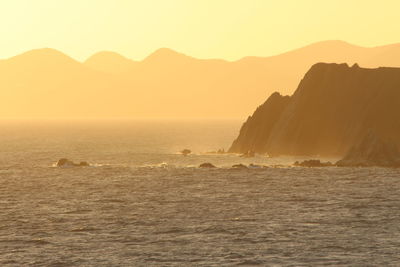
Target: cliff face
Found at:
x=258, y=127
x=333, y=106
x=371, y=151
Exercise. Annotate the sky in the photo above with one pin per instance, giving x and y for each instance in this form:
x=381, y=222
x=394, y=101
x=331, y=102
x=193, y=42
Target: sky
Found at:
x=228, y=29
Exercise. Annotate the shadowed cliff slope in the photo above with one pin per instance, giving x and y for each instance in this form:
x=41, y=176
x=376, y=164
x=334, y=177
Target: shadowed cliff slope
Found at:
x=371, y=151
x=259, y=126
x=333, y=106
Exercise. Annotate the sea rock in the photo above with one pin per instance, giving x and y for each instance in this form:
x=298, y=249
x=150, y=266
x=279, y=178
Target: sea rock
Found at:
x=207, y=165
x=186, y=152
x=372, y=151
x=239, y=166
x=63, y=162
x=256, y=166
x=313, y=163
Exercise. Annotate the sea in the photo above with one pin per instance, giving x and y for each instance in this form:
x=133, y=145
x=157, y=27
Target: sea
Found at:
x=142, y=203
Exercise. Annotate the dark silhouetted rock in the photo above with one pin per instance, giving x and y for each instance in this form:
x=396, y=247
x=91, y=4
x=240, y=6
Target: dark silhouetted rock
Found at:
x=256, y=166
x=68, y=163
x=371, y=151
x=64, y=163
x=332, y=108
x=186, y=152
x=313, y=163
x=239, y=166
x=278, y=166
x=206, y=165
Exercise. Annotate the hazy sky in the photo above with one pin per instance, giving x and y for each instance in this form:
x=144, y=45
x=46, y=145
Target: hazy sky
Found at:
x=227, y=29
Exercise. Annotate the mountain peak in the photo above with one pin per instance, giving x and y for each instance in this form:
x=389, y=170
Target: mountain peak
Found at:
x=44, y=55
x=323, y=65
x=47, y=52
x=105, y=56
x=107, y=61
x=165, y=54
x=333, y=42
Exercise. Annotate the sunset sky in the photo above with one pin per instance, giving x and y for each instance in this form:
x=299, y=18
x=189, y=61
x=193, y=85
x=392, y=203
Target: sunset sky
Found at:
x=228, y=29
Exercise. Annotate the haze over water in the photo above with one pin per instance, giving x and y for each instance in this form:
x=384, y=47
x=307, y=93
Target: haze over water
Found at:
x=143, y=204
x=153, y=133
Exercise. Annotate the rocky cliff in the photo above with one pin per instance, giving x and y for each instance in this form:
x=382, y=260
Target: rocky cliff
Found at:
x=333, y=107
x=371, y=151
x=258, y=127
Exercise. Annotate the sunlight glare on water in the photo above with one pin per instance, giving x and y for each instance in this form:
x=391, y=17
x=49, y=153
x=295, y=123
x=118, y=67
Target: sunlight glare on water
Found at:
x=143, y=204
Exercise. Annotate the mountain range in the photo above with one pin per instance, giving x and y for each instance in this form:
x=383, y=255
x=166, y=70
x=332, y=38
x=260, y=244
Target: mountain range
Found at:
x=166, y=84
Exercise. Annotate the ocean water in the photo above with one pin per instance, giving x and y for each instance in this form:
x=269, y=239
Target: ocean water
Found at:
x=143, y=204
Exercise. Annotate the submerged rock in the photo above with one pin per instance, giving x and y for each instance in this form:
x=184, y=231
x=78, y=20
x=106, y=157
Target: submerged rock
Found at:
x=371, y=151
x=239, y=166
x=207, y=165
x=68, y=163
x=219, y=151
x=313, y=163
x=256, y=166
x=248, y=154
x=186, y=152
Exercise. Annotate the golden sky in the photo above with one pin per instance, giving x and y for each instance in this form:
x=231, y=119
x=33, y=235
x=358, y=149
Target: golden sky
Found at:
x=228, y=29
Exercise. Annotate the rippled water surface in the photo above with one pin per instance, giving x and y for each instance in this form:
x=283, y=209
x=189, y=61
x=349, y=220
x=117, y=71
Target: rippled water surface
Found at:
x=142, y=204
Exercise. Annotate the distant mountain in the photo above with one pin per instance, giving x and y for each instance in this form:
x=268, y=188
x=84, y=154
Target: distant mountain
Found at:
x=111, y=62
x=165, y=84
x=333, y=108
x=47, y=83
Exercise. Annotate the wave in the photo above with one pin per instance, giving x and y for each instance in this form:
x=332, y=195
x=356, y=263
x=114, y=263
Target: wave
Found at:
x=170, y=166
x=93, y=165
